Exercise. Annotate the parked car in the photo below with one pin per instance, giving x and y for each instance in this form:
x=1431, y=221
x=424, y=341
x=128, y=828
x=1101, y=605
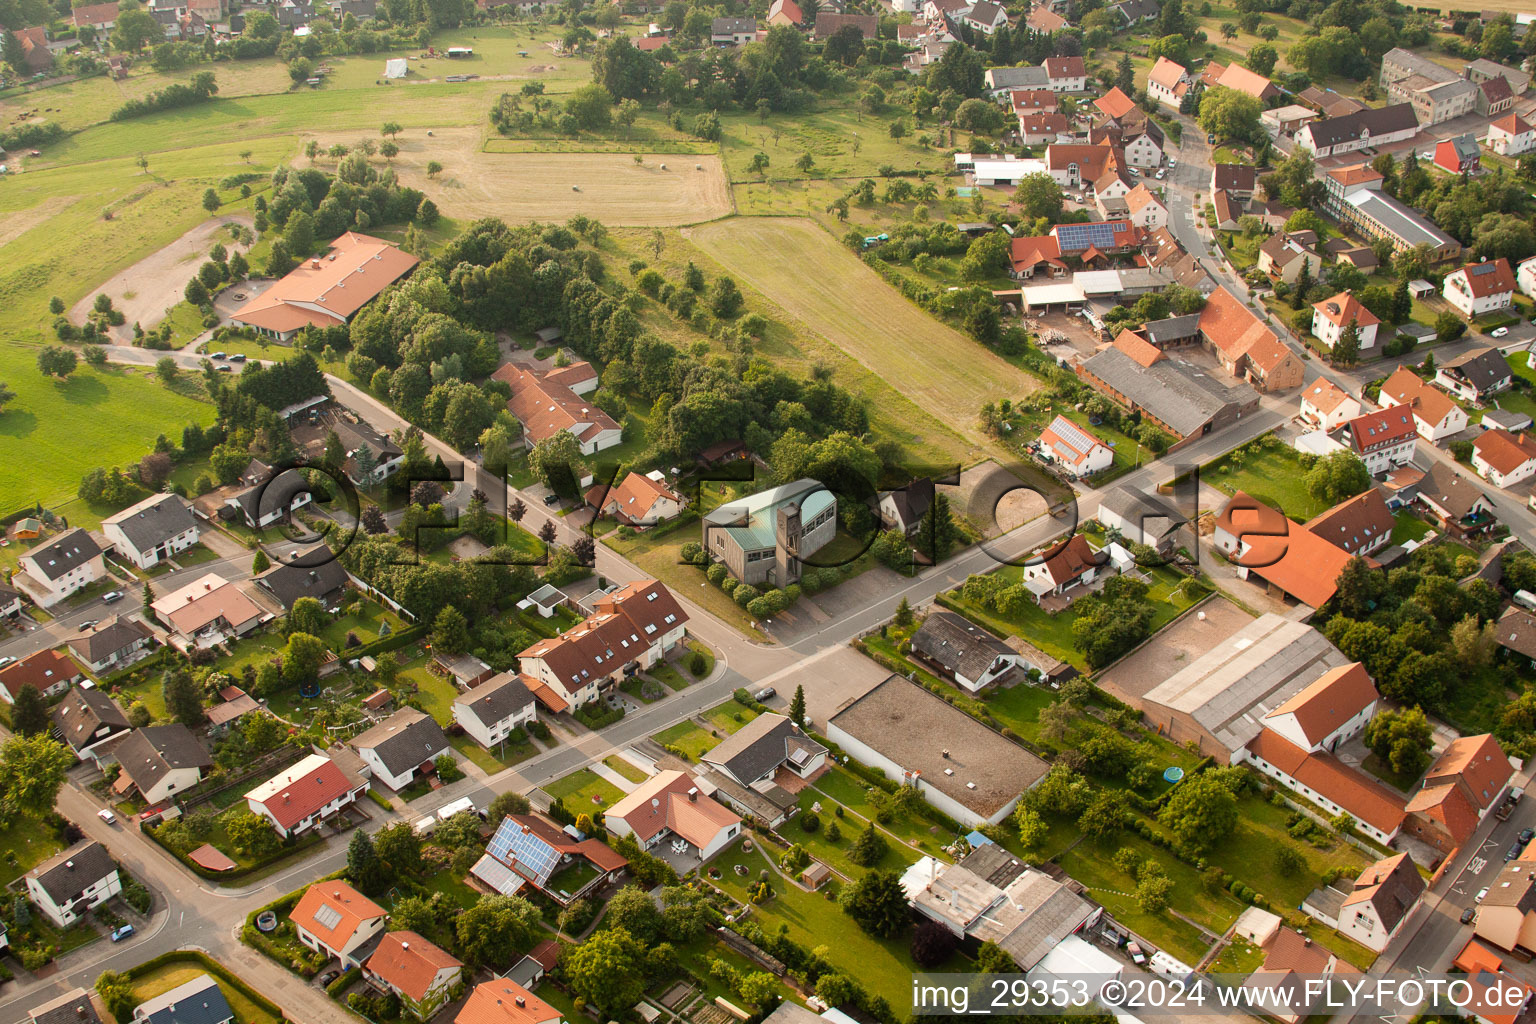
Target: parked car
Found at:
x=1467, y=915
x=1513, y=852
x=122, y=933
x=238, y=357
x=1527, y=834
x=110, y=596
x=6, y=661
x=1482, y=894
x=1136, y=955
x=551, y=499
x=226, y=368
x=107, y=816
x=328, y=977
x=765, y=693
x=88, y=623
x=1498, y=332
x=219, y=355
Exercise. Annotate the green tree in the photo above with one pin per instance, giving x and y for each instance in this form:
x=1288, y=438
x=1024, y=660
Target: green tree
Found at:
x=363, y=865
x=877, y=903
x=591, y=105
x=725, y=299
x=433, y=170
x=260, y=563
x=1202, y=810
x=495, y=929
x=607, y=971
x=868, y=848
x=301, y=657
x=307, y=616
x=1125, y=75
x=1039, y=196
x=450, y=631
x=56, y=361
x=1154, y=890
x=211, y=200
x=29, y=712
x=797, y=707
x=1337, y=476
x=1261, y=58
x=32, y=768
x=1402, y=738
x=1032, y=827
x=251, y=834
x=1346, y=351
x=937, y=532
x=182, y=700
x=903, y=617
x=115, y=989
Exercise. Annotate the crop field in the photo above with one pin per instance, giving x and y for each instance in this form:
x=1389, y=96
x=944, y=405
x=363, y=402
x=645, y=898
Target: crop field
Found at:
x=836, y=296
x=841, y=142
x=544, y=186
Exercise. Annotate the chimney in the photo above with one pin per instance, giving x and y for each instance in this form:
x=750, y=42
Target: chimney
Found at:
x=405, y=945
x=693, y=794
x=521, y=1002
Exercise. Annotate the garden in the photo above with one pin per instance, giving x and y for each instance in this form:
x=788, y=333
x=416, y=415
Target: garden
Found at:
x=690, y=740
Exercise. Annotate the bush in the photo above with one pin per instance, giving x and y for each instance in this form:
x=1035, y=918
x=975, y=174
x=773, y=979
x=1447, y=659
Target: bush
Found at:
x=809, y=822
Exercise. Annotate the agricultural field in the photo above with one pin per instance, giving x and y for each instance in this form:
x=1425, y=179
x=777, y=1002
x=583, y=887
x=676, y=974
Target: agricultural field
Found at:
x=827, y=290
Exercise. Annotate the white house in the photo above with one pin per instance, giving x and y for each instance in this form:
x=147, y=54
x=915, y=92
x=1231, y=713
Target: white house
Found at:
x=1503, y=458
x=1525, y=276
x=1066, y=74
x=490, y=711
x=1066, y=565
x=417, y=970
x=1327, y=406
x=1331, y=316
x=398, y=747
x=670, y=806
x=1074, y=448
x=1141, y=517
x=1479, y=288
x=985, y=17
x=304, y=794
x=1329, y=783
x=334, y=918
x=53, y=571
x=964, y=652
x=66, y=886
x=1333, y=708
x=1382, y=439
x=160, y=761
x=1435, y=416
x=1372, y=908
x=1167, y=82
x=1146, y=210
x=152, y=531
x=1475, y=374
x=1511, y=135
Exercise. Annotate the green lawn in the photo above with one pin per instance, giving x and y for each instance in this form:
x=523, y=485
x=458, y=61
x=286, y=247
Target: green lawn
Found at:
x=728, y=717
x=625, y=768
x=686, y=736
x=166, y=977
x=24, y=844
x=1409, y=527
x=1273, y=475
x=493, y=760
x=434, y=693
x=1239, y=957
x=843, y=787
x=365, y=621
x=584, y=790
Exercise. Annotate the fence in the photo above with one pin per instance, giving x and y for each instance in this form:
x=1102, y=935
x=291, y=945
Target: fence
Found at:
x=265, y=766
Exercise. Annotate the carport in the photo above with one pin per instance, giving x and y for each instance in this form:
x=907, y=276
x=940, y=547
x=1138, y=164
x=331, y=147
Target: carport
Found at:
x=1042, y=298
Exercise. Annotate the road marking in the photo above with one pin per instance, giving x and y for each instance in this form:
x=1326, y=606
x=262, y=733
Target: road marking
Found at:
x=1477, y=864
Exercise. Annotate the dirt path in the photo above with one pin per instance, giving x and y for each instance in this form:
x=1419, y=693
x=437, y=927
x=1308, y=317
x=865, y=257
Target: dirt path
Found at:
x=149, y=288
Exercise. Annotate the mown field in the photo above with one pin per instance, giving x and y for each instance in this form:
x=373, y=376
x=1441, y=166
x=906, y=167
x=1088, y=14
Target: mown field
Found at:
x=828, y=290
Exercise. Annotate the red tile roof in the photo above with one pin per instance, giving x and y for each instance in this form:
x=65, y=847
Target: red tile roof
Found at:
x=1479, y=762
x=1166, y=73
x=1382, y=427
x=1071, y=558
x=1514, y=124
x=1115, y=103
x=1231, y=326
x=1484, y=279
x=505, y=1002
x=545, y=407
x=624, y=626
x=1283, y=553
x=1356, y=522
x=1343, y=308
x=1355, y=174
x=1138, y=348
x=352, y=907
x=1325, y=396
x=325, y=291
x=1033, y=250
x=1428, y=403
x=1368, y=801
x=409, y=962
x=1065, y=67
x=42, y=670
x=664, y=802
x=301, y=790
x=1327, y=703
x=1503, y=451
x=1026, y=101
x=634, y=497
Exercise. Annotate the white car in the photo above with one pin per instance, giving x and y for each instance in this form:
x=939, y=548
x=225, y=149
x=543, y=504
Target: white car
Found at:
x=1498, y=332
x=1160, y=175
x=1482, y=894
x=107, y=816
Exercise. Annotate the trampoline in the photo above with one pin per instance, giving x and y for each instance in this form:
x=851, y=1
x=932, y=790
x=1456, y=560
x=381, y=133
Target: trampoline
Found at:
x=310, y=690
x=1173, y=774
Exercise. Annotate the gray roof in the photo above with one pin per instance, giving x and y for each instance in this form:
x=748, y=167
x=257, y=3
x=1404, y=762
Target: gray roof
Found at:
x=272, y=493
x=751, y=521
x=500, y=697
x=1516, y=630
x=1136, y=10
x=958, y=644
x=760, y=746
x=1043, y=911
x=731, y=26
x=1506, y=418
x=148, y=755
x=1178, y=393
x=118, y=634
x=1450, y=490
x=993, y=863
x=1408, y=225
x=1137, y=506
x=1413, y=64
x=1375, y=121
x=1018, y=78
x=199, y=1001
x=314, y=573
x=83, y=711
x=1483, y=368
x=72, y=872
x=73, y=1007
x=1230, y=688
x=153, y=521
x=1174, y=328
x=912, y=501
x=1465, y=146
x=404, y=740
x=67, y=551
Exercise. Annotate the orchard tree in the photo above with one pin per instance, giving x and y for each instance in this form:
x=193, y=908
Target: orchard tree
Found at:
x=1039, y=196
x=1202, y=810
x=57, y=361
x=32, y=770
x=492, y=931
x=606, y=971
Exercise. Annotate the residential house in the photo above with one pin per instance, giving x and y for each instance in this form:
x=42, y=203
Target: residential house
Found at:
x=1142, y=517
x=420, y=973
x=756, y=752
x=1043, y=129
x=160, y=761
x=530, y=850
x=1168, y=83
x=1001, y=80
x=315, y=573
x=76, y=1006
x=1503, y=458
x=113, y=644
x=1135, y=12
x=101, y=17
x=985, y=17
x=1372, y=908
x=334, y=918
x=1381, y=439
x=904, y=508
x=37, y=56
x=1434, y=93
x=396, y=749
x=1479, y=288
x=1065, y=565
x=1475, y=374
x=964, y=652
x=638, y=500
x=328, y=290
x=632, y=629
x=1331, y=316
x=1286, y=120
x=732, y=31
x=1284, y=255
x=1075, y=166
x=1484, y=70
x=785, y=12
x=1247, y=349
x=1327, y=406
x=490, y=711
x=1235, y=76
x=1074, y=448
x=48, y=671
x=965, y=769
x=500, y=1001
x=1435, y=416
x=1381, y=126
x=305, y=794
x=669, y=806
x=1454, y=503
x=370, y=457
x=51, y=572
x=1511, y=135
x=1146, y=210
x=1044, y=21
x=1332, y=709
x=1495, y=995
x=153, y=530
x=1115, y=104
x=1494, y=97
x=266, y=496
x=207, y=612
x=1238, y=179
x=764, y=537
x=1526, y=276
x=1293, y=561
x=828, y=24
x=1066, y=74
x=1028, y=102
x=546, y=407
x=10, y=602
x=1136, y=134
x=67, y=885
x=1361, y=525
x=1467, y=782
x=198, y=1001
x=1506, y=917
x=87, y=719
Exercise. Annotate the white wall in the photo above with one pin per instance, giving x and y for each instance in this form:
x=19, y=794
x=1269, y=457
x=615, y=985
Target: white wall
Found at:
x=865, y=754
x=490, y=734
x=97, y=893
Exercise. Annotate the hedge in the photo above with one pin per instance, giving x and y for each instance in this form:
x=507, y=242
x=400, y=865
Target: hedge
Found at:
x=396, y=640
x=213, y=967
x=341, y=984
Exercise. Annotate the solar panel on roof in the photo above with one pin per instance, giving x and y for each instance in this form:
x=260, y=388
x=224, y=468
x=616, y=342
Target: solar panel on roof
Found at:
x=1072, y=434
x=327, y=916
x=533, y=855
x=1081, y=236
